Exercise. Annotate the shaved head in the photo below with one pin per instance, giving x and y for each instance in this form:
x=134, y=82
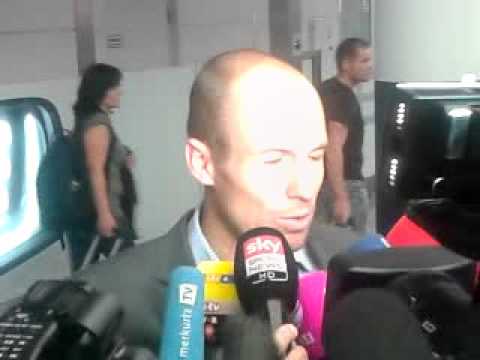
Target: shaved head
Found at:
x=213, y=87
x=256, y=140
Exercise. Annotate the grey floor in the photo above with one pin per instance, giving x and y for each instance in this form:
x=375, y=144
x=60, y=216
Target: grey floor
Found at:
x=49, y=264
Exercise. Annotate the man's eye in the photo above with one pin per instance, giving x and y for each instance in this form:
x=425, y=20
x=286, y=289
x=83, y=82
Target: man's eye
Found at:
x=273, y=157
x=273, y=160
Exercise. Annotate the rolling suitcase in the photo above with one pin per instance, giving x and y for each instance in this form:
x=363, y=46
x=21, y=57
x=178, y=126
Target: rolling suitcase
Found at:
x=92, y=251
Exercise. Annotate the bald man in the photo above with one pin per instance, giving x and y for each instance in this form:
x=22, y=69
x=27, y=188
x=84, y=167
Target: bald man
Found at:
x=256, y=142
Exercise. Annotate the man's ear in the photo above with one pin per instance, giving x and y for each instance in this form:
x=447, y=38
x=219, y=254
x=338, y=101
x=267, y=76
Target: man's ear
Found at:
x=199, y=161
x=345, y=65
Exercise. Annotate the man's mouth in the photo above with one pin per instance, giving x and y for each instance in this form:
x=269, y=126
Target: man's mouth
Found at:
x=295, y=222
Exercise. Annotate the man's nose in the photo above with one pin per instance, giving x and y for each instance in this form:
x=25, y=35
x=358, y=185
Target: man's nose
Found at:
x=303, y=181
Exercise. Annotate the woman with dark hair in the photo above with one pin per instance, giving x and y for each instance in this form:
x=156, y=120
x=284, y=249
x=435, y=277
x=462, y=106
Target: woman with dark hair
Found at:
x=105, y=164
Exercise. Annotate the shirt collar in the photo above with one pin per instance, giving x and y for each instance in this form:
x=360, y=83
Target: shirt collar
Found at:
x=202, y=251
x=304, y=263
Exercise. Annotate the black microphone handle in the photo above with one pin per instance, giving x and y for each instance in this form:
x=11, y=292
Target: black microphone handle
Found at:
x=275, y=313
x=248, y=337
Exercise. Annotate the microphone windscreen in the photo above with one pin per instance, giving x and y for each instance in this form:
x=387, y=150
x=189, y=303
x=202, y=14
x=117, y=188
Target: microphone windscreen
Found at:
x=311, y=295
x=470, y=335
x=265, y=269
x=349, y=271
x=183, y=333
x=439, y=303
x=374, y=324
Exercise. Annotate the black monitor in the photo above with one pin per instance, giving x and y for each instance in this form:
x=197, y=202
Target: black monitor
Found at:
x=428, y=145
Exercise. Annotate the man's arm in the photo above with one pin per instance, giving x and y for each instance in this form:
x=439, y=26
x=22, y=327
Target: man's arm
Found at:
x=334, y=162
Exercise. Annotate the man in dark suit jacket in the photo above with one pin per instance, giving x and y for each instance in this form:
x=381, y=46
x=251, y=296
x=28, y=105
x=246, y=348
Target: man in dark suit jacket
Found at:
x=256, y=141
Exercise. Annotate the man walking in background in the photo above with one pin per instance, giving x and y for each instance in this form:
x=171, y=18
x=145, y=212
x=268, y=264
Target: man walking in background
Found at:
x=344, y=198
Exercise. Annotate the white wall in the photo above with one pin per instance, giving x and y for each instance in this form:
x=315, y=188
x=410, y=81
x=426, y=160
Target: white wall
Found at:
x=152, y=120
x=205, y=28
x=208, y=27
x=320, y=31
x=428, y=40
x=143, y=27
x=60, y=92
x=355, y=18
x=37, y=40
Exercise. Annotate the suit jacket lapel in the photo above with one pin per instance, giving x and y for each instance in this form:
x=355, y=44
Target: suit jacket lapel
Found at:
x=325, y=241
x=173, y=249
x=314, y=247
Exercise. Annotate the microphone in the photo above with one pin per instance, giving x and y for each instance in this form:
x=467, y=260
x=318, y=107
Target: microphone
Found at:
x=374, y=324
x=266, y=275
x=183, y=336
x=220, y=292
x=221, y=298
x=311, y=295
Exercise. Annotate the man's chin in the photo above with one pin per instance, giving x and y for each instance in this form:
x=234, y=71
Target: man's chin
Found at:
x=296, y=240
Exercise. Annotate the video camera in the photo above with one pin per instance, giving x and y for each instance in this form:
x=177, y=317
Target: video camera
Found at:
x=63, y=319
